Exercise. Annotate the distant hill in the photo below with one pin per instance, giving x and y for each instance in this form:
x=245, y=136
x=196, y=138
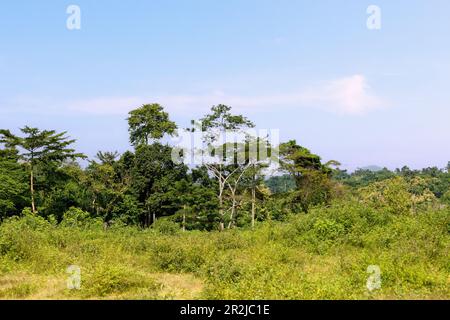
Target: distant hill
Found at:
x=372, y=168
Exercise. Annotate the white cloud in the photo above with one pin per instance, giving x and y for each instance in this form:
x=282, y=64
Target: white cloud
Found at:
x=349, y=95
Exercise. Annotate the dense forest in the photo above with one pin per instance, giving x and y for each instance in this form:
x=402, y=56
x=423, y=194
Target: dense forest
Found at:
x=220, y=222
x=39, y=172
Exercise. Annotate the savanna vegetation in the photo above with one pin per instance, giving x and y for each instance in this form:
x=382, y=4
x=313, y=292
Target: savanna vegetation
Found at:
x=140, y=225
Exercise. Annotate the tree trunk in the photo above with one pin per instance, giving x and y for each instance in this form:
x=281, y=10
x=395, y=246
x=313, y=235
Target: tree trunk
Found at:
x=93, y=205
x=221, y=224
x=253, y=196
x=253, y=206
x=220, y=205
x=233, y=211
x=184, y=218
x=148, y=218
x=33, y=205
x=233, y=206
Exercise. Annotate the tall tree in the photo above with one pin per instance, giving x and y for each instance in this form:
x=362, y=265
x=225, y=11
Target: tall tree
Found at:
x=215, y=125
x=13, y=186
x=107, y=157
x=312, y=178
x=259, y=153
x=149, y=122
x=153, y=177
x=40, y=147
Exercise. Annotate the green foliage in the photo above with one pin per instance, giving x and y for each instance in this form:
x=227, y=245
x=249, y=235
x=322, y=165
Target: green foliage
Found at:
x=327, y=229
x=105, y=280
x=40, y=148
x=322, y=255
x=446, y=198
x=364, y=177
x=134, y=220
x=314, y=188
x=41, y=145
x=165, y=226
x=22, y=238
x=281, y=184
x=182, y=255
x=391, y=194
x=65, y=194
x=126, y=211
x=222, y=118
x=19, y=291
x=312, y=178
x=13, y=187
x=142, y=185
x=77, y=218
x=433, y=179
x=149, y=122
x=153, y=175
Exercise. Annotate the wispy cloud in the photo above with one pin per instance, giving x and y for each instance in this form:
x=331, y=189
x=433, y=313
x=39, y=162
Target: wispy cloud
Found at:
x=348, y=95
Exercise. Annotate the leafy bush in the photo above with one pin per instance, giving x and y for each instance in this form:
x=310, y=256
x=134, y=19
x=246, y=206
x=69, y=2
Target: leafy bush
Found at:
x=105, y=279
x=178, y=256
x=326, y=229
x=446, y=198
x=77, y=218
x=167, y=227
x=20, y=238
x=391, y=194
x=21, y=290
x=320, y=255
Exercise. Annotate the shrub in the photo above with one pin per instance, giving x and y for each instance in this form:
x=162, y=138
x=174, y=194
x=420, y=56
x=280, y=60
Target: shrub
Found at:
x=105, y=279
x=230, y=239
x=391, y=194
x=167, y=227
x=20, y=238
x=223, y=269
x=320, y=255
x=77, y=218
x=446, y=198
x=327, y=229
x=17, y=292
x=173, y=255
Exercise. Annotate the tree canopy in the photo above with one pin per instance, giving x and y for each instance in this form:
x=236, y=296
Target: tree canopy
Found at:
x=149, y=122
x=233, y=188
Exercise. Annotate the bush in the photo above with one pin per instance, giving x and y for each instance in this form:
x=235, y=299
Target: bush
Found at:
x=391, y=195
x=223, y=269
x=167, y=227
x=326, y=229
x=19, y=291
x=230, y=239
x=320, y=255
x=178, y=255
x=77, y=218
x=20, y=238
x=105, y=280
x=446, y=198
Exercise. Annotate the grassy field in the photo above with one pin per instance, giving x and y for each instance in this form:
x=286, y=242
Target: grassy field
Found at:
x=322, y=255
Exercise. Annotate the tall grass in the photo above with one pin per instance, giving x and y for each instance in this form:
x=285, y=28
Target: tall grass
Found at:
x=322, y=255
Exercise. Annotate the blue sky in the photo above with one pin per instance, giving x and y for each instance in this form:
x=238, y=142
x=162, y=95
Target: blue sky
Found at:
x=309, y=68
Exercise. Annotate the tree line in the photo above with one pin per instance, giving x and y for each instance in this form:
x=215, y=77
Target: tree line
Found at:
x=40, y=174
